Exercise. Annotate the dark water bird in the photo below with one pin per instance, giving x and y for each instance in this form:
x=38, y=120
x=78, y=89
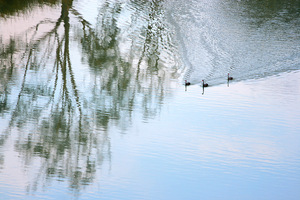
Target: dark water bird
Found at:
x=204, y=84
x=187, y=83
x=229, y=77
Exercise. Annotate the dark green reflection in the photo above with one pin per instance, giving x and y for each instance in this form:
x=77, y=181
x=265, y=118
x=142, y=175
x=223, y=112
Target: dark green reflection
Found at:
x=261, y=11
x=9, y=7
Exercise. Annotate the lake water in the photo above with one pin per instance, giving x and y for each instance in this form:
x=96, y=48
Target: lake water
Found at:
x=93, y=105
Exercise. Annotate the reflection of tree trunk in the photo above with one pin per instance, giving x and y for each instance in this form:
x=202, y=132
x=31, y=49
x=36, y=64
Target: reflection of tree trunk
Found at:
x=66, y=5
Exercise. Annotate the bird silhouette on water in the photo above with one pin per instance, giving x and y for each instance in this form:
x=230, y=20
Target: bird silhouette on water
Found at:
x=187, y=83
x=204, y=84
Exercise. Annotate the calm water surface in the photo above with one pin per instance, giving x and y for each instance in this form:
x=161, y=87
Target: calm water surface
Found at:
x=92, y=102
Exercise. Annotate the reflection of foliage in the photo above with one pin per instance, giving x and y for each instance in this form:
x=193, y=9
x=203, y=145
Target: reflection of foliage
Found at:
x=61, y=122
x=129, y=57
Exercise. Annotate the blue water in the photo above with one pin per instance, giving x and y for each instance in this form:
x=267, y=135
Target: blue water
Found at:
x=97, y=108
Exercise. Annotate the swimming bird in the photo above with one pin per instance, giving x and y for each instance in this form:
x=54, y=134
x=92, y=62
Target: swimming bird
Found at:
x=204, y=84
x=187, y=83
x=229, y=77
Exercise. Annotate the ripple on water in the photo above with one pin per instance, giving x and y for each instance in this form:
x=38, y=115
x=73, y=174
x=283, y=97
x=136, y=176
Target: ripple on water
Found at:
x=219, y=37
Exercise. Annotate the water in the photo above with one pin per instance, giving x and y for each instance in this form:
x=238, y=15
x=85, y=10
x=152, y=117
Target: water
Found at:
x=248, y=39
x=92, y=104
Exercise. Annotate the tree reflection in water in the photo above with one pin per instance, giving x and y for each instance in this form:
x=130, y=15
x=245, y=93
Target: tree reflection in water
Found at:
x=58, y=121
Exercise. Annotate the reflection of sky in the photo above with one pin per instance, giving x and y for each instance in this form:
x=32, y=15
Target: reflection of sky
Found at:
x=237, y=142
x=18, y=25
x=89, y=9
